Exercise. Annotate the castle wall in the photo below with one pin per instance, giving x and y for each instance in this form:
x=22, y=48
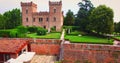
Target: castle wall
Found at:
x=90, y=53
x=55, y=18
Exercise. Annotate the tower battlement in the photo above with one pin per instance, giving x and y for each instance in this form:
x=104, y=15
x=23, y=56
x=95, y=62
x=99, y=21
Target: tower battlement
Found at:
x=55, y=3
x=28, y=4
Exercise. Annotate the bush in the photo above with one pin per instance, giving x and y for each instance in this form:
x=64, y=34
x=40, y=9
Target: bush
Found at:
x=13, y=33
x=4, y=33
x=32, y=29
x=41, y=31
x=22, y=29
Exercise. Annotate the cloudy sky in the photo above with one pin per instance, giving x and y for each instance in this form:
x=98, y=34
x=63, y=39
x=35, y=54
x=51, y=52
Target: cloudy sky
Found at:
x=6, y=5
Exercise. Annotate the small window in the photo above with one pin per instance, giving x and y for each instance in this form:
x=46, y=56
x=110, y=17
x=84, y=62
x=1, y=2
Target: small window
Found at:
x=26, y=19
x=40, y=19
x=33, y=19
x=45, y=27
x=54, y=18
x=26, y=11
x=47, y=19
x=54, y=10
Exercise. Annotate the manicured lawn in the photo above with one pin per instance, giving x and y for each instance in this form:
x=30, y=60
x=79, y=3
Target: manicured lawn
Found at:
x=118, y=37
x=88, y=39
x=48, y=36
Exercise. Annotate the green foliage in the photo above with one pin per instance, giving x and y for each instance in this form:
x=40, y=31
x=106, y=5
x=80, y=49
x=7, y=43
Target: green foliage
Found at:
x=41, y=31
x=82, y=19
x=4, y=33
x=21, y=31
x=117, y=27
x=53, y=29
x=10, y=19
x=101, y=20
x=69, y=19
x=32, y=29
x=13, y=33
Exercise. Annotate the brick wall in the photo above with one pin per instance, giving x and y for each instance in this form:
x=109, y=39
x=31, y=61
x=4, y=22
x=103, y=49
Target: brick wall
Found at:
x=46, y=46
x=91, y=53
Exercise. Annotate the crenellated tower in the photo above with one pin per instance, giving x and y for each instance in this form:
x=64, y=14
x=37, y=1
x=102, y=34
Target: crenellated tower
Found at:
x=56, y=15
x=27, y=11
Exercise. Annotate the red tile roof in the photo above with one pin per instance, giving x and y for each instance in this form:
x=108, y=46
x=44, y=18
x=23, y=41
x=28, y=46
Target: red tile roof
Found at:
x=11, y=45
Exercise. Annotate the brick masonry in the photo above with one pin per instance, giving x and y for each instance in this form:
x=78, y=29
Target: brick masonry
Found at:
x=53, y=18
x=91, y=53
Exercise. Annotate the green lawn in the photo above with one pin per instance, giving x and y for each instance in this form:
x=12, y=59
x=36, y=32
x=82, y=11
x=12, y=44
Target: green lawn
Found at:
x=48, y=36
x=88, y=39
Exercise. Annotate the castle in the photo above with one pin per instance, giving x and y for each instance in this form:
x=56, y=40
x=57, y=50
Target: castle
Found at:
x=47, y=20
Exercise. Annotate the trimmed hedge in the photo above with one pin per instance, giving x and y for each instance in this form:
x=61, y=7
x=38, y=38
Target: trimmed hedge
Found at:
x=41, y=31
x=4, y=33
x=32, y=29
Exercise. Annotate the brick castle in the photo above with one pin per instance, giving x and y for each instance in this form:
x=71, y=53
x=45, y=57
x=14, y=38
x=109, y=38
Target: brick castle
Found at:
x=47, y=20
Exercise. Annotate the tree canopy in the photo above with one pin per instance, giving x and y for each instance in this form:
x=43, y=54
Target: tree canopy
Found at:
x=69, y=19
x=101, y=19
x=10, y=19
x=82, y=16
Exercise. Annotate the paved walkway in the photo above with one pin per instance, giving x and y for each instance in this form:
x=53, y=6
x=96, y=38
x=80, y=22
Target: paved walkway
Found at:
x=62, y=35
x=43, y=59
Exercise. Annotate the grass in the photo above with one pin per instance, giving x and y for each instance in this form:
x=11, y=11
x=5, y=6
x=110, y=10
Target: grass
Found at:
x=88, y=39
x=47, y=36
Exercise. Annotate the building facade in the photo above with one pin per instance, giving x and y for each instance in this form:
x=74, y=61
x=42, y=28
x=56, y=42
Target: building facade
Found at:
x=47, y=20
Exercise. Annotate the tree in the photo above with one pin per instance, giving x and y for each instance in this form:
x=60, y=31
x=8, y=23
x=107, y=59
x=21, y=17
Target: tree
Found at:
x=2, y=22
x=12, y=18
x=69, y=19
x=102, y=20
x=117, y=27
x=82, y=18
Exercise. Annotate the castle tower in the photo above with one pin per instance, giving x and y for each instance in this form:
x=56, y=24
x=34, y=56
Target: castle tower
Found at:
x=27, y=10
x=55, y=15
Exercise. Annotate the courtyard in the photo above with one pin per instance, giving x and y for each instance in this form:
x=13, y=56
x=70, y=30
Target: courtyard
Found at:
x=43, y=59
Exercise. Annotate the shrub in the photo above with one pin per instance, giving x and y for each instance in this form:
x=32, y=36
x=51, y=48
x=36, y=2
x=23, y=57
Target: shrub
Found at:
x=32, y=29
x=41, y=31
x=13, y=33
x=21, y=31
x=4, y=33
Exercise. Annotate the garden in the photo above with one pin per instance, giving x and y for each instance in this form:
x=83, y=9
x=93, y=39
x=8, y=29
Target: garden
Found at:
x=29, y=32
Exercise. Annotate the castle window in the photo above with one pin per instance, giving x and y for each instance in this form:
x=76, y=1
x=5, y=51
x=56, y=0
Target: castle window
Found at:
x=47, y=19
x=40, y=19
x=54, y=18
x=26, y=19
x=45, y=27
x=54, y=10
x=33, y=19
x=54, y=27
x=26, y=11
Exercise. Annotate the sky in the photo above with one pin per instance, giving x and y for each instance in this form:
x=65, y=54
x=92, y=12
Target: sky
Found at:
x=42, y=5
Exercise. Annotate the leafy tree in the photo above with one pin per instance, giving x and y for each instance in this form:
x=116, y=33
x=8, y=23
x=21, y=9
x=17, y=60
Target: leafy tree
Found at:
x=69, y=19
x=117, y=27
x=102, y=20
x=83, y=14
x=2, y=22
x=12, y=18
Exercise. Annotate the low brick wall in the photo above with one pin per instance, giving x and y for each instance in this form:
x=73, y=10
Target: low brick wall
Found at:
x=91, y=53
x=46, y=46
x=41, y=46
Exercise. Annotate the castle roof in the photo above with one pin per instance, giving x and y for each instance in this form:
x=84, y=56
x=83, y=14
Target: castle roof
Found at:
x=41, y=13
x=11, y=45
